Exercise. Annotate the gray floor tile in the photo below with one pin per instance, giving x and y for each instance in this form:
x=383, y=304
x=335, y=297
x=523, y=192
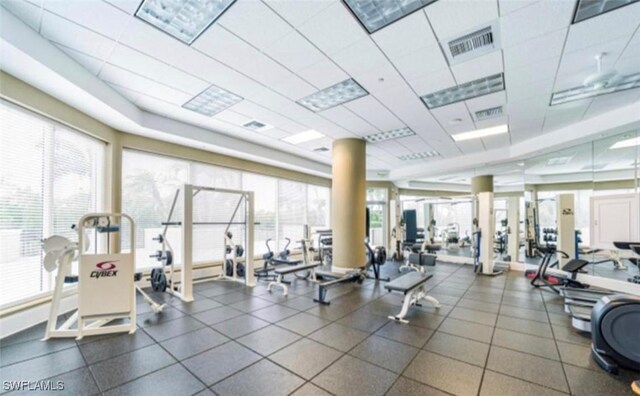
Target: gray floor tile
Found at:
x=45, y=366
x=268, y=339
x=411, y=335
x=420, y=318
x=306, y=357
x=331, y=312
x=265, y=379
x=536, y=305
x=531, y=368
x=339, y=337
x=566, y=334
x=164, y=331
x=391, y=355
x=444, y=373
x=112, y=346
x=152, y=319
x=239, y=326
x=310, y=389
x=120, y=369
x=543, y=347
x=585, y=382
x=560, y=319
x=407, y=387
x=486, y=297
x=364, y=321
x=444, y=298
x=190, y=344
x=459, y=348
x=251, y=304
x=339, y=378
x=170, y=381
x=530, y=327
x=220, y=362
x=469, y=315
x=199, y=305
x=231, y=298
x=300, y=303
x=499, y=384
x=303, y=323
x=477, y=305
x=577, y=355
x=217, y=315
x=30, y=349
x=522, y=313
x=274, y=313
x=474, y=331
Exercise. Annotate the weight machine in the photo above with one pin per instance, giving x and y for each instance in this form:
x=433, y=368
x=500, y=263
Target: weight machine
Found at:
x=232, y=268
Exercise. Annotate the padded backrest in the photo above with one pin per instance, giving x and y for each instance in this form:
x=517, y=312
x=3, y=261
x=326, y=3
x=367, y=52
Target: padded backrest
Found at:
x=428, y=259
x=574, y=265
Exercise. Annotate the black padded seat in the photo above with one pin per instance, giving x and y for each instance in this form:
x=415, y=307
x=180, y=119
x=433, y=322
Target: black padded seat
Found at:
x=407, y=282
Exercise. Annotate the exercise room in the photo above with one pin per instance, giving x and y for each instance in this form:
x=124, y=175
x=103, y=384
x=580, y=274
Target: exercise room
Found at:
x=320, y=197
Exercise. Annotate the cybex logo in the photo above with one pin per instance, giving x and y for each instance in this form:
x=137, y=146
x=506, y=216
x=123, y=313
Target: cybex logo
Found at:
x=105, y=268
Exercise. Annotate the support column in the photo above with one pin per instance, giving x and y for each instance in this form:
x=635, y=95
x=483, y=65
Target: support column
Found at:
x=348, y=204
x=482, y=188
x=566, y=223
x=513, y=224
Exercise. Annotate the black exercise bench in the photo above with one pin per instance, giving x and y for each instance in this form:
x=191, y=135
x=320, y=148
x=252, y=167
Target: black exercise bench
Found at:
x=412, y=286
x=282, y=271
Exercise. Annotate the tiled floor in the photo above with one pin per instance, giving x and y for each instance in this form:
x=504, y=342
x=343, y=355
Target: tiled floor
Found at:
x=492, y=336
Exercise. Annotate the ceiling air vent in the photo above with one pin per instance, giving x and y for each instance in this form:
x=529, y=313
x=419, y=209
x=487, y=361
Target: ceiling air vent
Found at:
x=486, y=114
x=473, y=44
x=321, y=149
x=257, y=126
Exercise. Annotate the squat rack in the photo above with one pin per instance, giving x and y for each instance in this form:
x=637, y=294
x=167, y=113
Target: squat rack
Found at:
x=186, y=274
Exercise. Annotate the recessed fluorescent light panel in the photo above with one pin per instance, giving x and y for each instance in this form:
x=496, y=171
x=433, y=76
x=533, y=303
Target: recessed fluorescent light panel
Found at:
x=488, y=114
x=626, y=143
x=419, y=156
x=584, y=92
x=590, y=8
x=376, y=14
x=303, y=137
x=480, y=133
x=335, y=95
x=389, y=135
x=211, y=101
x=469, y=90
x=182, y=19
x=559, y=161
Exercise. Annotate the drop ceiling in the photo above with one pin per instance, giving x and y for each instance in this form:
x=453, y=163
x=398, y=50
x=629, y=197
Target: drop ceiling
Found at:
x=273, y=53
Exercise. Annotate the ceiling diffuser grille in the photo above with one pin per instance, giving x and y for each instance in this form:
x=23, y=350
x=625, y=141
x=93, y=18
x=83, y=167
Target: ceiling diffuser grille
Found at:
x=486, y=114
x=257, y=125
x=471, y=42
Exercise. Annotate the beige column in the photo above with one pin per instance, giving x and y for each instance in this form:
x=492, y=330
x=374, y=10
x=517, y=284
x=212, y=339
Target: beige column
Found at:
x=481, y=184
x=348, y=203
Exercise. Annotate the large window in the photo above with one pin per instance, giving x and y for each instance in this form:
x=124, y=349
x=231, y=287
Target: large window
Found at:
x=50, y=177
x=281, y=207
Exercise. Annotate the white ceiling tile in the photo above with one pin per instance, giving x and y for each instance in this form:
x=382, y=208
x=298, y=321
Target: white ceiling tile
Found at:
x=524, y=125
x=605, y=103
x=233, y=117
x=26, y=12
x=503, y=120
x=125, y=78
x=294, y=52
x=535, y=50
x=142, y=64
x=130, y=95
x=128, y=6
x=532, y=80
x=606, y=27
x=446, y=114
x=509, y=6
x=538, y=19
x=471, y=146
x=375, y=113
x=405, y=36
x=521, y=135
x=360, y=57
x=394, y=147
x=533, y=107
x=436, y=81
x=497, y=141
x=421, y=63
x=293, y=127
x=255, y=23
x=474, y=69
x=349, y=120
x=323, y=74
x=168, y=94
x=333, y=29
x=452, y=17
x=99, y=16
x=275, y=133
x=381, y=79
x=297, y=12
x=487, y=101
x=291, y=86
x=76, y=37
x=94, y=65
